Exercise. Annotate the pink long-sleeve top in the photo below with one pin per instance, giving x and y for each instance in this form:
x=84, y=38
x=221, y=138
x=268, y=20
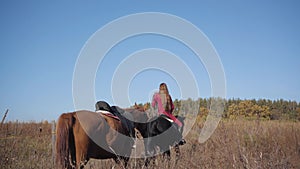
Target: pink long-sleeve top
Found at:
x=157, y=101
x=161, y=110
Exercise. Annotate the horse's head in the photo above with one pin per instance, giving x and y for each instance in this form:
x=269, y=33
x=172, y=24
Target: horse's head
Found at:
x=139, y=115
x=141, y=108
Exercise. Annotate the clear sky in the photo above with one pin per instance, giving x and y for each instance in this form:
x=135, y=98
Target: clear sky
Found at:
x=257, y=41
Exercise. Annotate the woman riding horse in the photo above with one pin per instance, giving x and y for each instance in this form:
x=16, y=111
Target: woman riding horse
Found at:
x=163, y=102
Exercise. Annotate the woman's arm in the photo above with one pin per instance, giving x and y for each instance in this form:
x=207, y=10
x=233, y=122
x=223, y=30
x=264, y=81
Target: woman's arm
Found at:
x=154, y=100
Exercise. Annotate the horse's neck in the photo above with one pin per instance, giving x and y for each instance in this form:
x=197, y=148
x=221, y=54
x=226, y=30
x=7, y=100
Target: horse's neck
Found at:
x=143, y=128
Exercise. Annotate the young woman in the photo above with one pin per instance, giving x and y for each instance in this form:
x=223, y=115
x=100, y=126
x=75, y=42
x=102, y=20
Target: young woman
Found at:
x=163, y=102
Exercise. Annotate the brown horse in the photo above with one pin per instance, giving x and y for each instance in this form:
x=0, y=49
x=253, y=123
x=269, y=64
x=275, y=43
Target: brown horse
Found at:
x=83, y=135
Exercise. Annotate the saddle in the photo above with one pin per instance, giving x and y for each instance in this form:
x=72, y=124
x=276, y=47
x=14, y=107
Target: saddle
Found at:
x=108, y=114
x=172, y=121
x=116, y=113
x=167, y=118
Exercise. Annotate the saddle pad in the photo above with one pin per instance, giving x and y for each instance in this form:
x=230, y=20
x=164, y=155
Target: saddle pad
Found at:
x=108, y=114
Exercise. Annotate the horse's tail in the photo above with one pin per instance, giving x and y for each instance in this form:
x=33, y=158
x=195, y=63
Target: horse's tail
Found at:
x=65, y=141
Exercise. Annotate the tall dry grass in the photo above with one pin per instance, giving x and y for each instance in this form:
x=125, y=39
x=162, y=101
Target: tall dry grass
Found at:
x=234, y=144
x=247, y=144
x=25, y=145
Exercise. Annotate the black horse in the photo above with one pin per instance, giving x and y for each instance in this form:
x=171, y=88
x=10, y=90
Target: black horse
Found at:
x=161, y=132
x=158, y=131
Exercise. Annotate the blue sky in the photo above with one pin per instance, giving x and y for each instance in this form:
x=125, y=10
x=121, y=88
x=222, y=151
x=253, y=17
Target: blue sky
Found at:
x=257, y=41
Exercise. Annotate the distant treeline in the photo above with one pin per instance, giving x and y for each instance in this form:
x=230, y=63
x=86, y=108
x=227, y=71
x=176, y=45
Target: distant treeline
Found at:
x=238, y=108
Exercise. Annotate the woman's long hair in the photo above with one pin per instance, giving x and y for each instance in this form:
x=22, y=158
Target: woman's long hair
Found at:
x=165, y=97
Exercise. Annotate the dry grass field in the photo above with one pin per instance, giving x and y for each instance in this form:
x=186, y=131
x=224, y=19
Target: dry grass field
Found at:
x=234, y=144
x=26, y=145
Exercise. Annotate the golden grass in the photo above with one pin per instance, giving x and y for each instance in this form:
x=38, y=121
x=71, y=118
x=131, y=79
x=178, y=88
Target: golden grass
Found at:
x=234, y=144
x=25, y=145
x=247, y=144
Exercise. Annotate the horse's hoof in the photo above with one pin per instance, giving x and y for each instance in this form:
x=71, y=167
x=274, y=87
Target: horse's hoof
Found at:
x=182, y=142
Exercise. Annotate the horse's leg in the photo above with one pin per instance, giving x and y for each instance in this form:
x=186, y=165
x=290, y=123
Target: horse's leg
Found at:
x=165, y=150
x=81, y=159
x=81, y=145
x=167, y=154
x=149, y=160
x=149, y=150
x=150, y=157
x=167, y=157
x=177, y=151
x=125, y=159
x=117, y=160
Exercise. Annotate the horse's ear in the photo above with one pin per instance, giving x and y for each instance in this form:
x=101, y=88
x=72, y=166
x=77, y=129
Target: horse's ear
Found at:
x=146, y=106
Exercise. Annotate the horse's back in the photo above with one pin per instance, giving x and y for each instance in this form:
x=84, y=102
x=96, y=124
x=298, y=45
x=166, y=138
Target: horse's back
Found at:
x=93, y=124
x=88, y=119
x=100, y=128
